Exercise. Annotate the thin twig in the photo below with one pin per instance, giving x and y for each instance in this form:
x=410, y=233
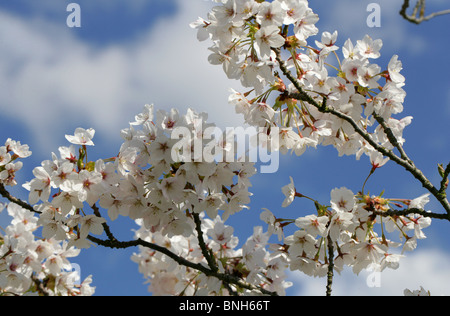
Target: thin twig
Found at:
x=105, y=225
x=420, y=6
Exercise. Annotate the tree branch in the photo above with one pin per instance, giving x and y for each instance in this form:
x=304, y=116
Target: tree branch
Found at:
x=330, y=272
x=392, y=139
x=207, y=254
x=302, y=95
x=40, y=286
x=227, y=278
x=105, y=226
x=410, y=211
x=403, y=161
x=9, y=197
x=420, y=10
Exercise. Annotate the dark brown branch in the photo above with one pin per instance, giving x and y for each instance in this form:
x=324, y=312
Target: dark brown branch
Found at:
x=405, y=163
x=392, y=139
x=105, y=226
x=201, y=241
x=9, y=197
x=413, y=211
x=409, y=165
x=227, y=278
x=302, y=95
x=418, y=15
x=40, y=287
x=330, y=272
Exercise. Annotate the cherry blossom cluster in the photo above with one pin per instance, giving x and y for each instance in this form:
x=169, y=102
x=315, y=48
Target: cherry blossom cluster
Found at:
x=253, y=262
x=202, y=187
x=301, y=85
x=356, y=228
x=9, y=165
x=259, y=42
x=297, y=97
x=34, y=266
x=142, y=182
x=169, y=186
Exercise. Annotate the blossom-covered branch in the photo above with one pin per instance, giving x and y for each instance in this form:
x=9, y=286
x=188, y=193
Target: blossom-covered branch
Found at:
x=225, y=277
x=152, y=182
x=303, y=100
x=403, y=161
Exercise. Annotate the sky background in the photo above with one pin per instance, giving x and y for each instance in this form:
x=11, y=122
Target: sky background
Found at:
x=126, y=54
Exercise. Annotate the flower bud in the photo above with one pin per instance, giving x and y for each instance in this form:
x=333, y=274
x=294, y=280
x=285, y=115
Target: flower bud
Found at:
x=441, y=170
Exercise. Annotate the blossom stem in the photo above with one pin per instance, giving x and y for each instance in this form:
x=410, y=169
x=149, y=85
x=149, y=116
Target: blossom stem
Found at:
x=331, y=66
x=338, y=60
x=365, y=181
x=316, y=203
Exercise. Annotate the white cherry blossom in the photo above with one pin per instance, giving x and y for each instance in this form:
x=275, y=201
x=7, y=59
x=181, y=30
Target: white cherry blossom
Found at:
x=82, y=137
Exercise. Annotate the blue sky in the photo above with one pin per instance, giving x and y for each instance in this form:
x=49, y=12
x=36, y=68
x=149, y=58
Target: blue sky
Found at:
x=129, y=53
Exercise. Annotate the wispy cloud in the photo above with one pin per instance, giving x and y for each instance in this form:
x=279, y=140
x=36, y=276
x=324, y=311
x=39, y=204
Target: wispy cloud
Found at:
x=53, y=82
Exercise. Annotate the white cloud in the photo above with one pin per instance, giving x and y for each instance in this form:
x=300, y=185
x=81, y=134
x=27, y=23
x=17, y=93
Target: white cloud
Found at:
x=428, y=268
x=53, y=82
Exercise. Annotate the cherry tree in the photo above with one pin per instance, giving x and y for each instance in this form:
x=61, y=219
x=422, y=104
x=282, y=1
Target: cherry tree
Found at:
x=180, y=184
